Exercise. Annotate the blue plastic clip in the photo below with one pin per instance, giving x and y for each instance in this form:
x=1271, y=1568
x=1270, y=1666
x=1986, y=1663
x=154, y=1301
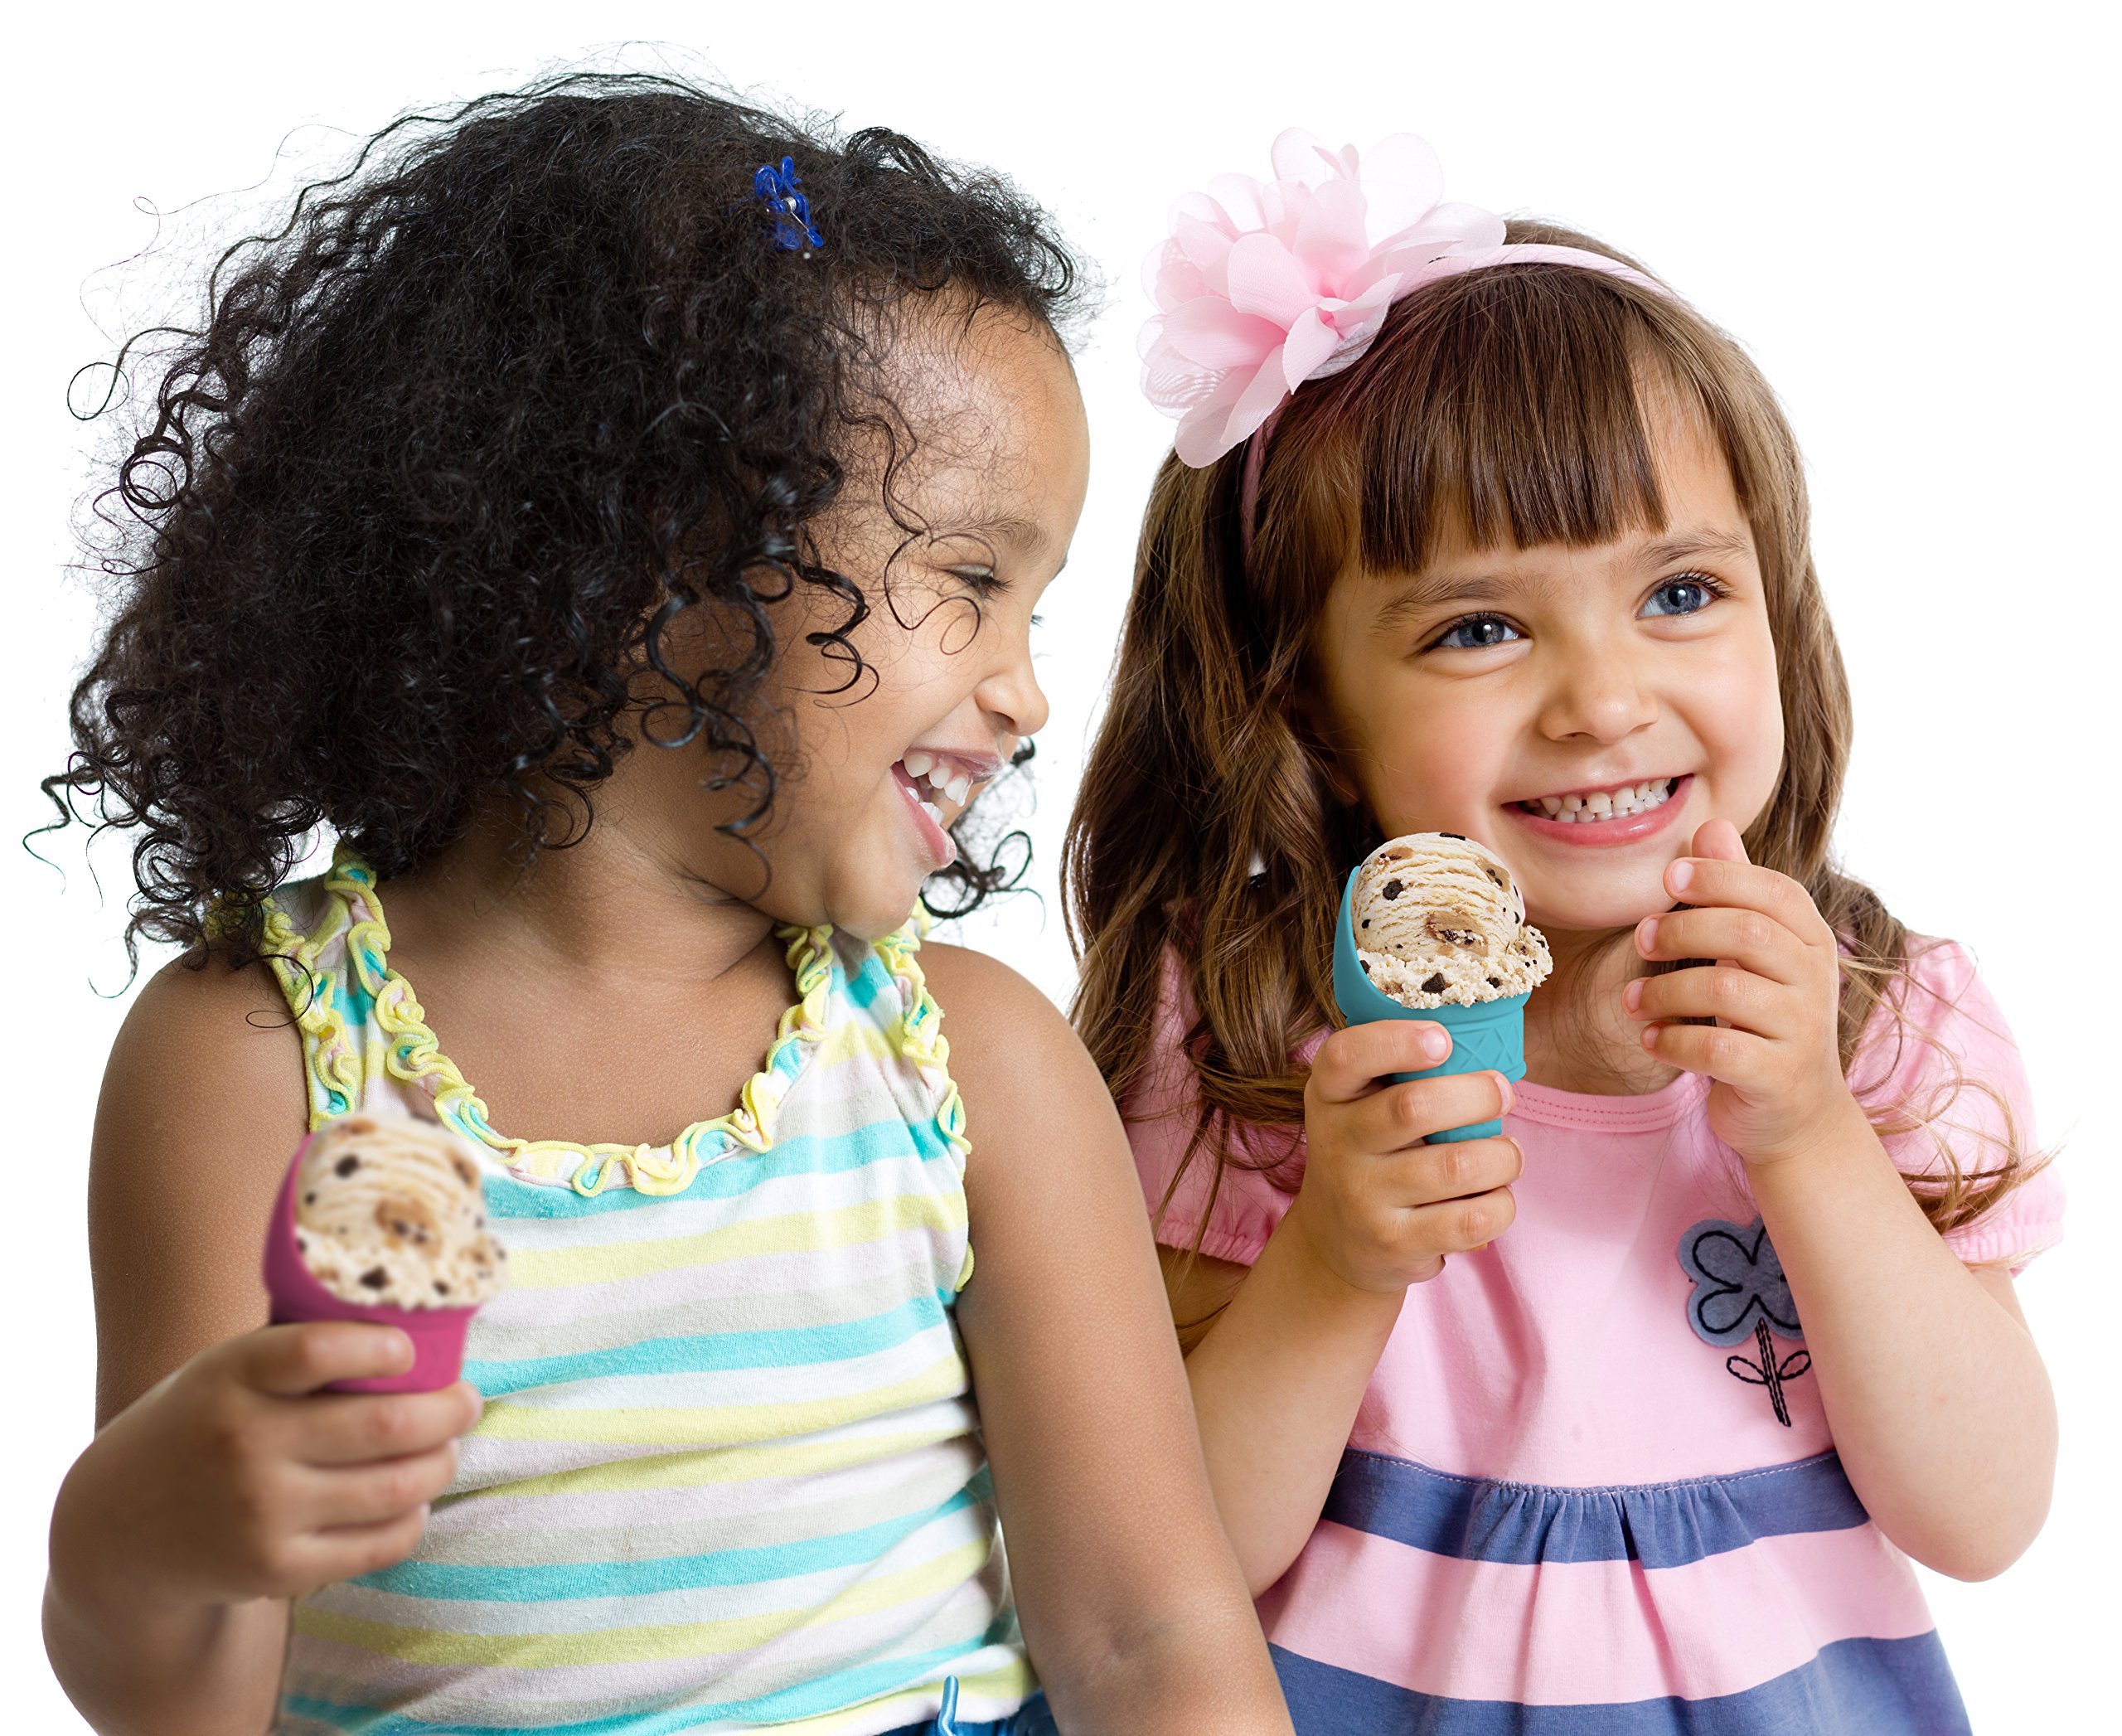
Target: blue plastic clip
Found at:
x=781, y=189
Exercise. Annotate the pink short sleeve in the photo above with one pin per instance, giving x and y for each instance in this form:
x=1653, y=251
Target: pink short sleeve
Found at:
x=1235, y=1213
x=1949, y=1065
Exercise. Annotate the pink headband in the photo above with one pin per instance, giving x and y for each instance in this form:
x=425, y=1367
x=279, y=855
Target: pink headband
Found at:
x=1264, y=285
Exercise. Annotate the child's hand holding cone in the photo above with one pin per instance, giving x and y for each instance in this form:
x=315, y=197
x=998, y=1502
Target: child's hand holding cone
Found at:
x=1380, y=1207
x=241, y=1476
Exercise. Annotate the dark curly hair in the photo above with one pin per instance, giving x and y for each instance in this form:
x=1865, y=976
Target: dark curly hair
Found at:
x=452, y=448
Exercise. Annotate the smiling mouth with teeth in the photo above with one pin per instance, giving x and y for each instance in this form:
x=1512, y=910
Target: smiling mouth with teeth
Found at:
x=935, y=781
x=1603, y=804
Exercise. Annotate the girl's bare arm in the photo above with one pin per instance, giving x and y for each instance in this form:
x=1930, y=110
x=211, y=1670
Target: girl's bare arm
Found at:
x=181, y=1529
x=1939, y=1406
x=1278, y=1355
x=204, y=1084
x=1135, y=1614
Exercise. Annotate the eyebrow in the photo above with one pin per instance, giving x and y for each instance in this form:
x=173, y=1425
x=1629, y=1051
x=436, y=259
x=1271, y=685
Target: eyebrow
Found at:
x=1688, y=544
x=1427, y=591
x=1027, y=537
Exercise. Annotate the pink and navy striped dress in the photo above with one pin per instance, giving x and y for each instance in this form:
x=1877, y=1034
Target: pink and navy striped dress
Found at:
x=1591, y=1488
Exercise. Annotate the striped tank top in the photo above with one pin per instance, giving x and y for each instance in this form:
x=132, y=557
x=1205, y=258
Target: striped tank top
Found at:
x=729, y=1476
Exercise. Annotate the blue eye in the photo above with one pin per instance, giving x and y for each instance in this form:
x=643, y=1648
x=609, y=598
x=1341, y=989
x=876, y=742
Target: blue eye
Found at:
x=1475, y=633
x=1688, y=594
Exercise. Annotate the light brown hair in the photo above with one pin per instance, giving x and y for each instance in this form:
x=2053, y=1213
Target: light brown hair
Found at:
x=1508, y=402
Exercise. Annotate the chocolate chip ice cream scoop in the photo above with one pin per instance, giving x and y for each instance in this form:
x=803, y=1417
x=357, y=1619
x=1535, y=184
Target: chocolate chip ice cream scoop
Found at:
x=381, y=1219
x=389, y=1210
x=1431, y=928
x=1438, y=921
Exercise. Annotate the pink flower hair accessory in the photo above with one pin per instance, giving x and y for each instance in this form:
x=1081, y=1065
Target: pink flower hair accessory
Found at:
x=1264, y=285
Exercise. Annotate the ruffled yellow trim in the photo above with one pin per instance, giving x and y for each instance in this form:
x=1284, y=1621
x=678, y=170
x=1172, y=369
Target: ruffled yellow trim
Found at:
x=313, y=995
x=922, y=1044
x=412, y=1054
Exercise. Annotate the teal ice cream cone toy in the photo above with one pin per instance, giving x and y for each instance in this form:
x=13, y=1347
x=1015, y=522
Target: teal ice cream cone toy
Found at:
x=1489, y=1036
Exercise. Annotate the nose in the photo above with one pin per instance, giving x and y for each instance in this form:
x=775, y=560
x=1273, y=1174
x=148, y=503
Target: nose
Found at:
x=1012, y=696
x=1600, y=693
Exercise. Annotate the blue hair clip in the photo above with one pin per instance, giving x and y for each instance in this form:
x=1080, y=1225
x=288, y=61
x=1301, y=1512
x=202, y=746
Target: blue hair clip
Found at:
x=781, y=189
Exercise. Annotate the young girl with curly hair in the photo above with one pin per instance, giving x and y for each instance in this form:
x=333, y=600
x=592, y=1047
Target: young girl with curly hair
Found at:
x=1626, y=1419
x=615, y=515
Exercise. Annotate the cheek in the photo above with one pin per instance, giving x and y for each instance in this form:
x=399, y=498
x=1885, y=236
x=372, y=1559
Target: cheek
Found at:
x=1739, y=710
x=1421, y=766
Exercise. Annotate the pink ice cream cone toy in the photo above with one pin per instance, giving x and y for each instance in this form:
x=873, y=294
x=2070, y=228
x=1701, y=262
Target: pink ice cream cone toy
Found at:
x=381, y=1219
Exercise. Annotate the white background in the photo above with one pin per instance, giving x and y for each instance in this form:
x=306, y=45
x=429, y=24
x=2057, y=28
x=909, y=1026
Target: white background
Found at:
x=1906, y=213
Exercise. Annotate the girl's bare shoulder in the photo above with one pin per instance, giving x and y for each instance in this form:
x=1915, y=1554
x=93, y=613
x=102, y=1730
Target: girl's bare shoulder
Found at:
x=1028, y=1085
x=198, y=1031
x=203, y=1101
x=999, y=1025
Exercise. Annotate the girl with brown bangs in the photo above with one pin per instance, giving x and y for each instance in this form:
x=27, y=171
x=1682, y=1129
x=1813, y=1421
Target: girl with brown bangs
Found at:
x=1628, y=1419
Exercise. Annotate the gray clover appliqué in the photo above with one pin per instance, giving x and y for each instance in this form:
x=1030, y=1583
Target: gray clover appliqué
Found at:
x=1737, y=1281
x=1740, y=1292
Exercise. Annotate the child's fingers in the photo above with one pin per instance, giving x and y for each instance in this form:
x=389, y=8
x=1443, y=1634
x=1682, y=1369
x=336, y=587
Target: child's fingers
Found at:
x=1719, y=840
x=347, y=1553
x=1747, y=938
x=1404, y=1115
x=1456, y=1169
x=1455, y=1226
x=1745, y=1000
x=1732, y=1056
x=352, y=1428
x=290, y=1360
x=1350, y=1062
x=1702, y=880
x=375, y=1494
